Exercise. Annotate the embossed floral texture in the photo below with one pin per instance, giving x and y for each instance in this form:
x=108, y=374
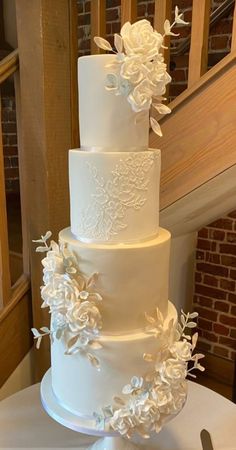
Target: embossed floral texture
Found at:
x=71, y=299
x=139, y=71
x=147, y=402
x=126, y=189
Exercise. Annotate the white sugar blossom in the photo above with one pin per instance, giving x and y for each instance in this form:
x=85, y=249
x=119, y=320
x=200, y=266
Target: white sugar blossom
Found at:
x=84, y=316
x=60, y=293
x=173, y=370
x=181, y=350
x=139, y=71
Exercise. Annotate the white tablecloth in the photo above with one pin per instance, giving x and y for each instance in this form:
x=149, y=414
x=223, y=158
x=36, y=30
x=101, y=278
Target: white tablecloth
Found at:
x=24, y=424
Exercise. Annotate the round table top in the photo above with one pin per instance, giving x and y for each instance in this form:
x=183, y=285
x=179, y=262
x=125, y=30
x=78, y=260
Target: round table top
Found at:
x=24, y=424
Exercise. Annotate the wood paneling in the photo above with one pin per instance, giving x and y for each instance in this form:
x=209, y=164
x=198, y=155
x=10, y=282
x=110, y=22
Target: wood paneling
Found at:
x=15, y=323
x=9, y=65
x=98, y=23
x=5, y=280
x=198, y=55
x=46, y=130
x=128, y=11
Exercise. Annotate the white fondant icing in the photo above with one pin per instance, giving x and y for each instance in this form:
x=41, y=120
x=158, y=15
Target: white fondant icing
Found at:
x=83, y=389
x=132, y=278
x=114, y=197
x=102, y=113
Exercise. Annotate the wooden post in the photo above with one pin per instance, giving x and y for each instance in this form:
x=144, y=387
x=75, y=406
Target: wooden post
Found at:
x=233, y=43
x=198, y=55
x=46, y=130
x=162, y=12
x=128, y=11
x=5, y=280
x=98, y=23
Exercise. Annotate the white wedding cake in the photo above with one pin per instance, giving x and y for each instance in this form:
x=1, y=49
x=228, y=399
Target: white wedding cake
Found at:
x=117, y=355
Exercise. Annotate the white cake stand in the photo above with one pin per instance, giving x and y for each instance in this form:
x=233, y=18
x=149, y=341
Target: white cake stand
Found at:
x=108, y=441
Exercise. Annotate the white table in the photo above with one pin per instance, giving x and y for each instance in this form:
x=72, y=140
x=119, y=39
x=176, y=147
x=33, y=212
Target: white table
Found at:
x=24, y=424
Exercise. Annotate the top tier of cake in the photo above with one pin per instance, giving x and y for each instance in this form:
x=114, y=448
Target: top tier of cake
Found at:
x=107, y=122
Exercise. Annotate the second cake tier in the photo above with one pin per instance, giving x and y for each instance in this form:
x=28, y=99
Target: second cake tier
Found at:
x=132, y=278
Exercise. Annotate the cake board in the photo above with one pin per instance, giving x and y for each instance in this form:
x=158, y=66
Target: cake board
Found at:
x=107, y=441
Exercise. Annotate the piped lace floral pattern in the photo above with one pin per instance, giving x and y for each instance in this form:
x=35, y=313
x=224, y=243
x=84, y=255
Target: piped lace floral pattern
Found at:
x=148, y=401
x=105, y=215
x=72, y=300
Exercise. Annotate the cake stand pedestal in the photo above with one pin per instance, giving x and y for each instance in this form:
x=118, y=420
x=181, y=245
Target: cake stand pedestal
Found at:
x=108, y=441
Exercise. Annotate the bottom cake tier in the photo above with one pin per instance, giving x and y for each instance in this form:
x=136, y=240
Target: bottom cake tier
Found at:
x=84, y=389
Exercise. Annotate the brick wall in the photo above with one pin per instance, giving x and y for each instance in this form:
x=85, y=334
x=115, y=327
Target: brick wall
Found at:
x=9, y=134
x=215, y=295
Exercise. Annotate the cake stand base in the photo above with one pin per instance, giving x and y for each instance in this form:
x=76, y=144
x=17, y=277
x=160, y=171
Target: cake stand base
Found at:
x=109, y=440
x=113, y=443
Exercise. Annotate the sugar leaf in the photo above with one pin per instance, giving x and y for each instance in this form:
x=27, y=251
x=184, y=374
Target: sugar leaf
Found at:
x=155, y=126
x=118, y=42
x=102, y=43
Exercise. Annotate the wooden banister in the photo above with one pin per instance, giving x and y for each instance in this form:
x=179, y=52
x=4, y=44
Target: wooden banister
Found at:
x=162, y=12
x=98, y=23
x=9, y=65
x=233, y=43
x=5, y=279
x=128, y=11
x=198, y=56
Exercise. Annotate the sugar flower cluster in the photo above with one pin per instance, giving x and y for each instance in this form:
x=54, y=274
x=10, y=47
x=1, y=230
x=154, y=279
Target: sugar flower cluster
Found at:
x=72, y=301
x=148, y=402
x=139, y=71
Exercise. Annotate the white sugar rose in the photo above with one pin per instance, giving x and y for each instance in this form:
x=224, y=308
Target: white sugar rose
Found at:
x=140, y=39
x=52, y=263
x=83, y=316
x=121, y=421
x=132, y=70
x=58, y=321
x=173, y=371
x=60, y=293
x=181, y=350
x=145, y=411
x=161, y=395
x=140, y=98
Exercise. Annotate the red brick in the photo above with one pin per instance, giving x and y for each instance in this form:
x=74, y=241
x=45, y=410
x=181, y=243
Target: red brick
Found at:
x=203, y=233
x=151, y=9
x=233, y=274
x=11, y=172
x=229, y=249
x=211, y=292
x=7, y=162
x=200, y=254
x=115, y=26
x=231, y=237
x=80, y=7
x=141, y=10
x=85, y=44
x=80, y=32
x=212, y=269
x=232, y=298
x=177, y=89
x=112, y=3
x=198, y=277
x=204, y=301
x=108, y=28
x=206, y=313
x=226, y=224
x=227, y=285
x=179, y=75
x=87, y=6
x=212, y=257
x=220, y=329
x=112, y=14
x=228, y=341
x=232, y=214
x=204, y=244
x=180, y=61
x=233, y=333
x=222, y=27
x=219, y=42
x=233, y=310
x=218, y=235
x=204, y=324
x=83, y=19
x=221, y=351
x=233, y=356
x=210, y=336
x=12, y=139
x=228, y=260
x=203, y=346
x=221, y=306
x=182, y=4
x=210, y=280
x=227, y=320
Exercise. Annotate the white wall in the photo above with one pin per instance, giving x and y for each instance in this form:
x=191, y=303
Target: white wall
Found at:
x=182, y=262
x=21, y=378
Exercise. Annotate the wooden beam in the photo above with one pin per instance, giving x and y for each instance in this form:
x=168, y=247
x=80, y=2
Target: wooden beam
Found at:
x=128, y=11
x=198, y=55
x=46, y=129
x=233, y=42
x=162, y=12
x=9, y=65
x=15, y=323
x=5, y=278
x=98, y=23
